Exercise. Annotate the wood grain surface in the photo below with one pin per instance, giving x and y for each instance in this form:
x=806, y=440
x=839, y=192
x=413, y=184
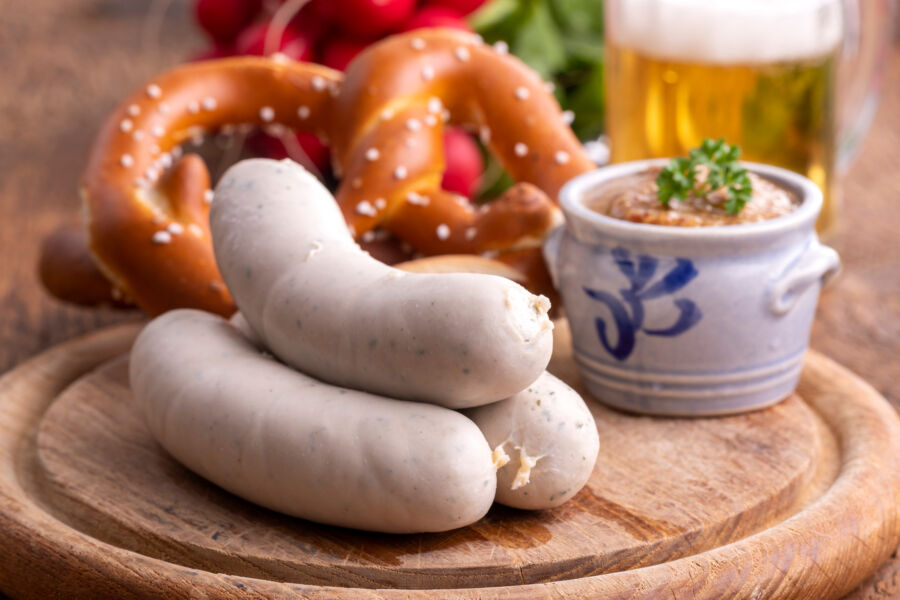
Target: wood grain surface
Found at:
x=771, y=504
x=98, y=463
x=64, y=65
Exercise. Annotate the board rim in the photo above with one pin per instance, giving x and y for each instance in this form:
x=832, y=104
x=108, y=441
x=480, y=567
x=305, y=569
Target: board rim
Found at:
x=80, y=566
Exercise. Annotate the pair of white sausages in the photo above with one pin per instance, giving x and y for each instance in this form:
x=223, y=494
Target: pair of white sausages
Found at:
x=286, y=441
x=293, y=443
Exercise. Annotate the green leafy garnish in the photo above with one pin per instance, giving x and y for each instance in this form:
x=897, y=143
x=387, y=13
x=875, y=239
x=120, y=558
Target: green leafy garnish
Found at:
x=678, y=179
x=560, y=39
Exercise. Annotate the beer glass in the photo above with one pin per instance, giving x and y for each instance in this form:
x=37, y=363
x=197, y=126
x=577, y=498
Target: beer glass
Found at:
x=762, y=74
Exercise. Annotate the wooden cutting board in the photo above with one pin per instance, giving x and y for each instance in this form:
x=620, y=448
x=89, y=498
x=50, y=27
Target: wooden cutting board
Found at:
x=801, y=500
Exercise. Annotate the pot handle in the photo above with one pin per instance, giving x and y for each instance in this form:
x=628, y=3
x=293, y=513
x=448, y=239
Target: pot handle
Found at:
x=551, y=252
x=817, y=265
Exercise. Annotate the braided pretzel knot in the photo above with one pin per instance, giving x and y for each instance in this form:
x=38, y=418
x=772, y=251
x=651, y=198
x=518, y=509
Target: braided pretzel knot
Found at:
x=146, y=206
x=397, y=96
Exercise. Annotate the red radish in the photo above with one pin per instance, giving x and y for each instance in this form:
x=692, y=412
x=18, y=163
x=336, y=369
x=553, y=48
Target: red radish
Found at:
x=317, y=19
x=265, y=145
x=463, y=7
x=224, y=19
x=372, y=18
x=293, y=43
x=217, y=51
x=338, y=53
x=305, y=148
x=437, y=16
x=464, y=163
x=322, y=12
x=312, y=147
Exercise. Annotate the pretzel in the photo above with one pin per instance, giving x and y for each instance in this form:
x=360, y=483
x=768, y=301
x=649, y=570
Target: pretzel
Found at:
x=146, y=205
x=395, y=100
x=68, y=270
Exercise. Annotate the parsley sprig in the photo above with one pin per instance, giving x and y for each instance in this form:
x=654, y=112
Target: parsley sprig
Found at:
x=678, y=179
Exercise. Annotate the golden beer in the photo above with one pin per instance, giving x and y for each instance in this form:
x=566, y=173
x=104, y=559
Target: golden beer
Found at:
x=664, y=96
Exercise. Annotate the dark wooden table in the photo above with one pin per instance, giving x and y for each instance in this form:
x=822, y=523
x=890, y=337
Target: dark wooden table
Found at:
x=64, y=65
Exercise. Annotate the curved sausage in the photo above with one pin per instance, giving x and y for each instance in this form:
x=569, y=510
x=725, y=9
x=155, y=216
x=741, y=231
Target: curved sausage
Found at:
x=293, y=444
x=549, y=438
x=327, y=308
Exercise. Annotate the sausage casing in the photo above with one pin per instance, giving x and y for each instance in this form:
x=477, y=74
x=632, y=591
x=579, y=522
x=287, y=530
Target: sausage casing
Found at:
x=288, y=442
x=325, y=307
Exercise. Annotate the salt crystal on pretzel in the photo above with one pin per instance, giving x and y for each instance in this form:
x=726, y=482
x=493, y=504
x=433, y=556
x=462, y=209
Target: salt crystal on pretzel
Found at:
x=395, y=99
x=460, y=80
x=140, y=193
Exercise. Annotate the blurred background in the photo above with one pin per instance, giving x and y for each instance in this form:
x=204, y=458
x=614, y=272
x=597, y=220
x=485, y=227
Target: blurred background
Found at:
x=632, y=73
x=636, y=78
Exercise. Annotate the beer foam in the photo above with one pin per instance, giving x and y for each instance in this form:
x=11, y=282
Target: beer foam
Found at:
x=727, y=31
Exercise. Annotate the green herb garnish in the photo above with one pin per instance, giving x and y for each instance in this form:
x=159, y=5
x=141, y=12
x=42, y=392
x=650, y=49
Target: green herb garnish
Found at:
x=678, y=179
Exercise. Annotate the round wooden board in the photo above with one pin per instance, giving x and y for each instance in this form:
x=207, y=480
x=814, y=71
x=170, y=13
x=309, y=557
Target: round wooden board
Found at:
x=801, y=500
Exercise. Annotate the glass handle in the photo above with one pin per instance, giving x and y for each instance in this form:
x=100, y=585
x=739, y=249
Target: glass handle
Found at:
x=868, y=35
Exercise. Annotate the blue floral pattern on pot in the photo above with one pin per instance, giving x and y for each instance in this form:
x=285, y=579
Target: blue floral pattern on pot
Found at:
x=628, y=309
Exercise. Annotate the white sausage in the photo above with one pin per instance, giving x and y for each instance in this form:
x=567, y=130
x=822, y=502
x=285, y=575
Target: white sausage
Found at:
x=550, y=438
x=548, y=431
x=238, y=321
x=293, y=444
x=327, y=308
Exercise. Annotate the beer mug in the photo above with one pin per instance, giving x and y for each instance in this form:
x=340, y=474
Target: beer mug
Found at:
x=760, y=73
